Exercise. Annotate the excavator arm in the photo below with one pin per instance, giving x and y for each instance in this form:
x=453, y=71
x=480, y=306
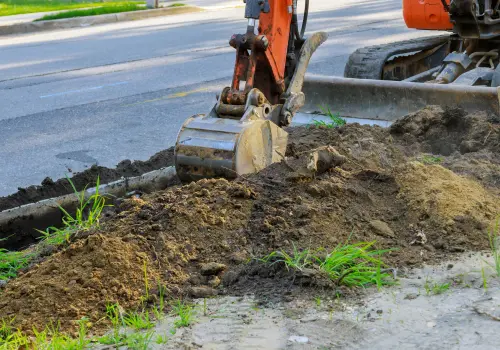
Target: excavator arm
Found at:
x=243, y=132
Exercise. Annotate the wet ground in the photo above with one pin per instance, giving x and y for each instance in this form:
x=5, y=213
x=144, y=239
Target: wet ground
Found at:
x=466, y=316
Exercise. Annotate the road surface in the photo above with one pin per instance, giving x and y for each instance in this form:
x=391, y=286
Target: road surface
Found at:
x=102, y=94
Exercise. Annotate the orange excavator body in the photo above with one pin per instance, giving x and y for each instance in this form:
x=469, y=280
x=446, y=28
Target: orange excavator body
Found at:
x=426, y=14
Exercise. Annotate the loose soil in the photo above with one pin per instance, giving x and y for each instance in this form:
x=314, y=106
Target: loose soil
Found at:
x=386, y=189
x=50, y=188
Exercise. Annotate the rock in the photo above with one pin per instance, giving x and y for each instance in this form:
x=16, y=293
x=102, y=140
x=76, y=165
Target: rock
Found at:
x=202, y=292
x=449, y=267
x=382, y=229
x=212, y=268
x=3, y=283
x=411, y=296
x=238, y=258
x=214, y=281
x=230, y=278
x=323, y=159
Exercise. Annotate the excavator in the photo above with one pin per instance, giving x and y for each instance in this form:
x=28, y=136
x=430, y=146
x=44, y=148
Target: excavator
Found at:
x=245, y=130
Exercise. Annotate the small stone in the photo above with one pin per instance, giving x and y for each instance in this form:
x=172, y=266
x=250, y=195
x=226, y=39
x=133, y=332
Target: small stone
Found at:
x=87, y=264
x=3, y=283
x=230, y=278
x=449, y=267
x=380, y=312
x=411, y=296
x=212, y=268
x=72, y=283
x=238, y=258
x=214, y=281
x=202, y=292
x=382, y=229
x=298, y=339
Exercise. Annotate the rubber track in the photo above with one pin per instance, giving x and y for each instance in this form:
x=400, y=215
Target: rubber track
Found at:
x=368, y=62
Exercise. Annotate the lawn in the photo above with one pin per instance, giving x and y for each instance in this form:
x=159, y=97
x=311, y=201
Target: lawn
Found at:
x=17, y=7
x=105, y=9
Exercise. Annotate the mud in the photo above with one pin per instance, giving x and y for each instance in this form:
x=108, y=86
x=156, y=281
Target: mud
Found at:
x=50, y=188
x=385, y=190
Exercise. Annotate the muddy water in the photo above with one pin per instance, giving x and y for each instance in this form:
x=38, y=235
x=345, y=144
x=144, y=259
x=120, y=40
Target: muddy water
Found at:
x=400, y=317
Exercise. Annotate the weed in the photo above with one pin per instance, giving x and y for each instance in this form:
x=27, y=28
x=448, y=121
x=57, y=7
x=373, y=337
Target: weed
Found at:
x=11, y=262
x=334, y=119
x=494, y=238
x=430, y=159
x=139, y=341
x=138, y=320
x=176, y=4
x=185, y=312
x=355, y=265
x=433, y=288
x=160, y=340
x=485, y=279
x=87, y=216
x=317, y=300
x=298, y=260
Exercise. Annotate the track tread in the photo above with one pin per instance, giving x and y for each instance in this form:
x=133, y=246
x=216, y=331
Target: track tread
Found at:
x=368, y=62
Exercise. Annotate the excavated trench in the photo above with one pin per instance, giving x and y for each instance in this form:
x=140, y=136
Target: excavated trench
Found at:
x=427, y=187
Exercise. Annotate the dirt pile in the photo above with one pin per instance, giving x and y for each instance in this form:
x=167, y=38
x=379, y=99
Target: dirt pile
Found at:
x=50, y=188
x=384, y=190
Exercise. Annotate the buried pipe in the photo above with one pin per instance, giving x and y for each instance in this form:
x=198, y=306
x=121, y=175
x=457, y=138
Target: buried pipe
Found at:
x=18, y=225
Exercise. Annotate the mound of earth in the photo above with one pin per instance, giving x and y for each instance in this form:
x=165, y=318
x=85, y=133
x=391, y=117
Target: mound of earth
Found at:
x=197, y=239
x=50, y=188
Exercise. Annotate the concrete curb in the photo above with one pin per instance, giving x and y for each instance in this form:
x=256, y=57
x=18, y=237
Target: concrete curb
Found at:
x=17, y=225
x=78, y=22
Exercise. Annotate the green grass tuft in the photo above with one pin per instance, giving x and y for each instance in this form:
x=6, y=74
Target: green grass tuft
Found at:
x=334, y=119
x=430, y=159
x=12, y=262
x=185, y=312
x=433, y=288
x=353, y=265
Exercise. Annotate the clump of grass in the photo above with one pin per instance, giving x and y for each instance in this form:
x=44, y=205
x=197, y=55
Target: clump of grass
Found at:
x=87, y=216
x=185, y=312
x=176, y=4
x=433, y=288
x=335, y=120
x=494, y=238
x=12, y=262
x=138, y=320
x=430, y=159
x=102, y=10
x=297, y=260
x=353, y=265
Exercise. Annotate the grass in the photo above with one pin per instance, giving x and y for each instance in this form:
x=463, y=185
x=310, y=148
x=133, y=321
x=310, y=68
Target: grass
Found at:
x=433, y=288
x=334, y=119
x=12, y=262
x=138, y=320
x=185, y=312
x=107, y=8
x=430, y=159
x=87, y=217
x=48, y=339
x=352, y=265
x=18, y=7
x=494, y=239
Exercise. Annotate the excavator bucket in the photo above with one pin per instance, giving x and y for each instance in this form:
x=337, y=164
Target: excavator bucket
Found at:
x=210, y=147
x=391, y=100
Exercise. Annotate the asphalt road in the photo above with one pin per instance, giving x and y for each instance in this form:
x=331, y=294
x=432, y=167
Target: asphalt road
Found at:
x=73, y=98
